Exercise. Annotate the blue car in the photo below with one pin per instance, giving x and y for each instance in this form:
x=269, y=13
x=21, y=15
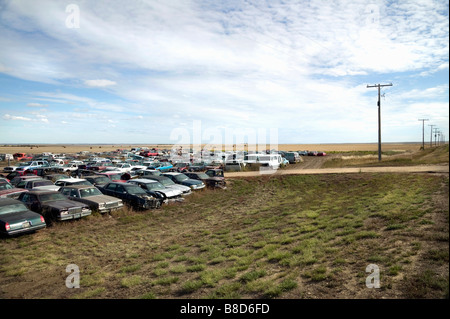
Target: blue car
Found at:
x=161, y=166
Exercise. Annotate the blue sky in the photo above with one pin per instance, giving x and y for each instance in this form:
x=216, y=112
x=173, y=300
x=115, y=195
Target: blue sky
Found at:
x=140, y=71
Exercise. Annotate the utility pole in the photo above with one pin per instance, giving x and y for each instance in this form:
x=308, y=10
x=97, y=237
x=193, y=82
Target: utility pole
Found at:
x=431, y=135
x=435, y=135
x=379, y=115
x=423, y=132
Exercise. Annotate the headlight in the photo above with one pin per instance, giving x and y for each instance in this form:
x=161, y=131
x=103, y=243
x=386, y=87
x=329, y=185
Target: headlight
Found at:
x=64, y=212
x=101, y=205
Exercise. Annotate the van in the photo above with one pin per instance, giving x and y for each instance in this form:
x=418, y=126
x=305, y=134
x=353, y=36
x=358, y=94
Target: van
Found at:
x=292, y=157
x=272, y=161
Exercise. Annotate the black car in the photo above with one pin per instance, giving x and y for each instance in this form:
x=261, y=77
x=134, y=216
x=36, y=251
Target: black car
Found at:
x=54, y=205
x=210, y=181
x=132, y=195
x=16, y=218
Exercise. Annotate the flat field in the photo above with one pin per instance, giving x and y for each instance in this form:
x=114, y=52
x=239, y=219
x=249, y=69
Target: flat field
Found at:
x=293, y=236
x=69, y=148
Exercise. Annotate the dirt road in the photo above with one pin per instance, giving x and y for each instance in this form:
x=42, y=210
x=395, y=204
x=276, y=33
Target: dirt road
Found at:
x=388, y=169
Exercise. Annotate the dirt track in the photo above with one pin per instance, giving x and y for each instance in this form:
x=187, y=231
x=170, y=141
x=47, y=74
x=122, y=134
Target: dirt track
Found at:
x=388, y=169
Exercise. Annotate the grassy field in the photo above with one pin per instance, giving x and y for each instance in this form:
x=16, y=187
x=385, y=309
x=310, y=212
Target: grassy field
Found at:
x=299, y=236
x=428, y=156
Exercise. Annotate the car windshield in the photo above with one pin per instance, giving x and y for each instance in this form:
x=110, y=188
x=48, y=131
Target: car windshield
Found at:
x=135, y=190
x=87, y=183
x=181, y=164
x=87, y=192
x=203, y=176
x=181, y=177
x=4, y=186
x=12, y=208
x=155, y=186
x=167, y=182
x=102, y=180
x=25, y=164
x=52, y=197
x=115, y=177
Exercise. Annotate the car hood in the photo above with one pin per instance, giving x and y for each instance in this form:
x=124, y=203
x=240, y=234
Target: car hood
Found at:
x=179, y=187
x=191, y=182
x=17, y=217
x=170, y=192
x=101, y=199
x=64, y=204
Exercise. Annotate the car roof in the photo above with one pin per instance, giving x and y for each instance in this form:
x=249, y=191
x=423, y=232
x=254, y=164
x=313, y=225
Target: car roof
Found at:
x=9, y=201
x=78, y=186
x=172, y=173
x=42, y=191
x=142, y=180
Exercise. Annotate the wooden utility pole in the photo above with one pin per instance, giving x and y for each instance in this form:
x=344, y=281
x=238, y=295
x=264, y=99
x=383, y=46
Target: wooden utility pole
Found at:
x=431, y=135
x=435, y=135
x=423, y=132
x=379, y=115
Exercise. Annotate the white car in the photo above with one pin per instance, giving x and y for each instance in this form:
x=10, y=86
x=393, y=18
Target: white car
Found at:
x=120, y=167
x=69, y=167
x=9, y=169
x=172, y=194
x=72, y=181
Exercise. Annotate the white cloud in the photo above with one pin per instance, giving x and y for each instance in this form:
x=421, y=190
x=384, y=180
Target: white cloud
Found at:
x=15, y=118
x=36, y=105
x=99, y=83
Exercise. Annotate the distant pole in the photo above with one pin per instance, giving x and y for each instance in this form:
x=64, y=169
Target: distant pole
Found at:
x=423, y=132
x=431, y=135
x=435, y=135
x=379, y=115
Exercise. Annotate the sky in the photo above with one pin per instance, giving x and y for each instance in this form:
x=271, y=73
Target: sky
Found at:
x=294, y=72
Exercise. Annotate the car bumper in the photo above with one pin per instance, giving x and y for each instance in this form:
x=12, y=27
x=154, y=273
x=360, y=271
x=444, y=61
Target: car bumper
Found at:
x=74, y=215
x=25, y=230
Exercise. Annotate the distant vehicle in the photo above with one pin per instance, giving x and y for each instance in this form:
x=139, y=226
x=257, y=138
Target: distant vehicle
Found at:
x=162, y=166
x=114, y=176
x=9, y=191
x=148, y=172
x=211, y=182
x=120, y=167
x=152, y=186
x=9, y=169
x=321, y=154
x=93, y=197
x=56, y=177
x=182, y=179
x=292, y=157
x=16, y=218
x=72, y=181
x=22, y=182
x=21, y=156
x=40, y=184
x=197, y=167
x=180, y=167
x=132, y=195
x=267, y=160
x=69, y=167
x=97, y=180
x=54, y=206
x=32, y=164
x=312, y=153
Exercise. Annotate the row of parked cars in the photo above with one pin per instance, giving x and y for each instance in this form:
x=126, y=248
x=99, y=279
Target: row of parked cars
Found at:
x=31, y=199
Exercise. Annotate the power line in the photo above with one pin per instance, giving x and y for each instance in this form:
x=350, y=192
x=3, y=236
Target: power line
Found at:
x=379, y=86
